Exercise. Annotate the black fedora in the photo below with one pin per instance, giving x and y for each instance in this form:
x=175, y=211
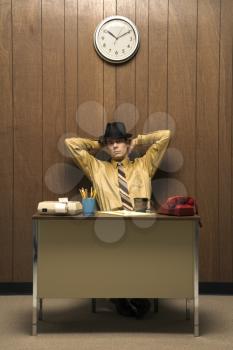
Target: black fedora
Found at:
x=114, y=130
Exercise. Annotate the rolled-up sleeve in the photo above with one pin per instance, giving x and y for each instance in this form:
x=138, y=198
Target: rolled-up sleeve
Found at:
x=81, y=148
x=158, y=142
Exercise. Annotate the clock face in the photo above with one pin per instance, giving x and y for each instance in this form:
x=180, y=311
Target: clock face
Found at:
x=116, y=39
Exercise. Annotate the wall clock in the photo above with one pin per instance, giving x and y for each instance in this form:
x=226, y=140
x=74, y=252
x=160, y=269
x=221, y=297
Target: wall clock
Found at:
x=116, y=39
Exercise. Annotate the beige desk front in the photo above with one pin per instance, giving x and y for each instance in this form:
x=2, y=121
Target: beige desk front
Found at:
x=105, y=256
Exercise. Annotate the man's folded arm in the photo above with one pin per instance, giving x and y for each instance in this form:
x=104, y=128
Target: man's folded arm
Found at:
x=158, y=142
x=81, y=149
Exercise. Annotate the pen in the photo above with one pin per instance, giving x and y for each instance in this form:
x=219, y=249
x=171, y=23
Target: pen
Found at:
x=81, y=192
x=84, y=193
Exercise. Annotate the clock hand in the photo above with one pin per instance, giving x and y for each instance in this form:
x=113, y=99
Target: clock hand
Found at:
x=123, y=34
x=111, y=34
x=119, y=32
x=118, y=35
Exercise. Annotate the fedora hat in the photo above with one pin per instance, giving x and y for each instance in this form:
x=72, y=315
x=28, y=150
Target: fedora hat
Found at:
x=114, y=130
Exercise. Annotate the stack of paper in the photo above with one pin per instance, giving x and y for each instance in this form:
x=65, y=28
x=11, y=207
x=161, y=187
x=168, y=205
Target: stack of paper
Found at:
x=126, y=213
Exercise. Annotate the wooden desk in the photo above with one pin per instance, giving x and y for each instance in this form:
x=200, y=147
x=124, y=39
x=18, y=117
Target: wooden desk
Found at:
x=106, y=256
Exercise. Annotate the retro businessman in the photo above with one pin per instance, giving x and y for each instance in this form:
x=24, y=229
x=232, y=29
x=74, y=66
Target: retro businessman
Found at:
x=119, y=180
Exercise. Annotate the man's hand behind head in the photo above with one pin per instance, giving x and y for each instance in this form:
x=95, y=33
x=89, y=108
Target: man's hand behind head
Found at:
x=132, y=145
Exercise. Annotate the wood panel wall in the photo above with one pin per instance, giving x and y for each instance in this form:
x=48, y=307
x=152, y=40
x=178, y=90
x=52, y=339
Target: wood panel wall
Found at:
x=53, y=84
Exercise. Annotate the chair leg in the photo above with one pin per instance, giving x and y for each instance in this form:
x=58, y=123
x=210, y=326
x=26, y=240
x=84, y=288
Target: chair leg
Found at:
x=93, y=302
x=156, y=305
x=187, y=309
x=41, y=309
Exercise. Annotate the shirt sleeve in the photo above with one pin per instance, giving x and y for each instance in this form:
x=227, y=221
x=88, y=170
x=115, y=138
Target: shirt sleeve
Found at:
x=81, y=149
x=158, y=142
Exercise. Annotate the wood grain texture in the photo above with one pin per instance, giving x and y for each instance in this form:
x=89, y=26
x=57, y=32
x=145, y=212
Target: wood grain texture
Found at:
x=208, y=135
x=90, y=114
x=54, y=125
x=158, y=13
x=125, y=78
x=6, y=143
x=158, y=30
x=142, y=65
x=27, y=129
x=182, y=87
x=71, y=90
x=109, y=73
x=71, y=64
x=53, y=84
x=225, y=151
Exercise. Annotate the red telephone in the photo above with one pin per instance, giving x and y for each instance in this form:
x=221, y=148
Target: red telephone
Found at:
x=179, y=205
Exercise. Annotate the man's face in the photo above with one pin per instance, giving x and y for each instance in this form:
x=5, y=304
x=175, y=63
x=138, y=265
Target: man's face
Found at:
x=118, y=148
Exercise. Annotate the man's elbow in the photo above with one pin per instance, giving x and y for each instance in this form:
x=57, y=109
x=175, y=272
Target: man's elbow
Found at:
x=66, y=141
x=166, y=138
x=69, y=141
x=166, y=134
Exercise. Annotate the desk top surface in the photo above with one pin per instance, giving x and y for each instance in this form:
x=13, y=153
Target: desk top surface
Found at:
x=99, y=215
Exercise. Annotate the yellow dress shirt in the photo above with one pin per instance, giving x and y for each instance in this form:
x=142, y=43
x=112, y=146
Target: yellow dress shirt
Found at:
x=104, y=174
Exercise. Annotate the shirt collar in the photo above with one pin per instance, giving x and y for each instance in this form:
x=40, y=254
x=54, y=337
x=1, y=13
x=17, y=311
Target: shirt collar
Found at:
x=125, y=162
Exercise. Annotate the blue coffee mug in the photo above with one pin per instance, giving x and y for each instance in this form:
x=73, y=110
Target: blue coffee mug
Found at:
x=89, y=206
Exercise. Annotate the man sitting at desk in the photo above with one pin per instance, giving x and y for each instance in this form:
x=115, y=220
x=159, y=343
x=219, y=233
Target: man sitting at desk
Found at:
x=118, y=181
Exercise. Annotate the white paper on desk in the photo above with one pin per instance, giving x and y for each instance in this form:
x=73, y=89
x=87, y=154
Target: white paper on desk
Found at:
x=126, y=213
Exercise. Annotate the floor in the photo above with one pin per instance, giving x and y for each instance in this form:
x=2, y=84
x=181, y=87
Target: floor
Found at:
x=70, y=324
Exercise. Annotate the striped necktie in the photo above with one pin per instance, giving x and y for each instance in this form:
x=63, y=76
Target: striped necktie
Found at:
x=124, y=193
